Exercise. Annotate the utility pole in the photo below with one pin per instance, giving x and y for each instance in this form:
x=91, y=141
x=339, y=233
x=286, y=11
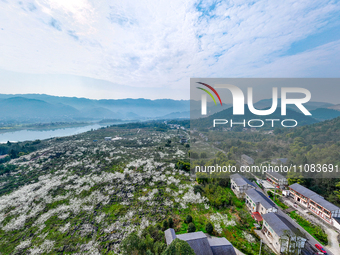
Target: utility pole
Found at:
x=260, y=247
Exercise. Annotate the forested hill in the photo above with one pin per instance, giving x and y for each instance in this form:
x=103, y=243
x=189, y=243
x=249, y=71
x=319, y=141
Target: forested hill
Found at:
x=319, y=133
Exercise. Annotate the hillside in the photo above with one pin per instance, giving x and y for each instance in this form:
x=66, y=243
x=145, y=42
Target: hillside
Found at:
x=20, y=108
x=335, y=107
x=84, y=195
x=324, y=114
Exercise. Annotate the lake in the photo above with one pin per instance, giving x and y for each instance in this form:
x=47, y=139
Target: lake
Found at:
x=30, y=135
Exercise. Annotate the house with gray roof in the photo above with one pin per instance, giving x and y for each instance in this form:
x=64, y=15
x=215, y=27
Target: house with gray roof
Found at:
x=256, y=201
x=240, y=184
x=202, y=244
x=278, y=161
x=277, y=179
x=282, y=234
x=247, y=160
x=316, y=204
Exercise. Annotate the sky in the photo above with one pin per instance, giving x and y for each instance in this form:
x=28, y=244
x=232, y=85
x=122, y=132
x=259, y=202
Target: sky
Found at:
x=151, y=49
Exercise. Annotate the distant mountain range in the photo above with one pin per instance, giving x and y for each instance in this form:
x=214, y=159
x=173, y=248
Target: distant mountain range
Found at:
x=45, y=108
x=34, y=108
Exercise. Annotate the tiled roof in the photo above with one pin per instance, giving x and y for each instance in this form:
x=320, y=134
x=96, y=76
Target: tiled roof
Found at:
x=169, y=235
x=280, y=224
x=302, y=190
x=201, y=243
x=324, y=203
x=221, y=246
x=314, y=196
x=240, y=180
x=259, y=197
x=198, y=242
x=276, y=175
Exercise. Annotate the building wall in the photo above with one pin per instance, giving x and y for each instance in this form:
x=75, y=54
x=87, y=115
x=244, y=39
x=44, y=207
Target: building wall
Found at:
x=304, y=201
x=282, y=183
x=239, y=191
x=253, y=207
x=282, y=245
x=315, y=208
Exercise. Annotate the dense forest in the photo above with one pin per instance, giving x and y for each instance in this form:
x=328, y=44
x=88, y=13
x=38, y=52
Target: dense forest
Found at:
x=318, y=143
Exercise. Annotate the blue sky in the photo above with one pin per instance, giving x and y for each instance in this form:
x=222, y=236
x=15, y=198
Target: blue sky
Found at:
x=151, y=49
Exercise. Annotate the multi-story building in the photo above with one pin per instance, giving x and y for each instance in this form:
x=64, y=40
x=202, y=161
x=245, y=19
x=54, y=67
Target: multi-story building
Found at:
x=316, y=204
x=240, y=185
x=282, y=234
x=256, y=201
x=277, y=179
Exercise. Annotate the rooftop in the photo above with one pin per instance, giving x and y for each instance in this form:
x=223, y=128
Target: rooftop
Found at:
x=302, y=190
x=257, y=216
x=240, y=180
x=201, y=243
x=280, y=224
x=314, y=196
x=324, y=203
x=259, y=197
x=191, y=236
x=276, y=175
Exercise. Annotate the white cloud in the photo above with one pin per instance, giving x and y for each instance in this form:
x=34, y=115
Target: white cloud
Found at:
x=162, y=44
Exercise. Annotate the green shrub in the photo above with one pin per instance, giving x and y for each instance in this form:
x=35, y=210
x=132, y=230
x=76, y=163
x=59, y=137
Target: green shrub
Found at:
x=209, y=228
x=316, y=231
x=165, y=225
x=171, y=223
x=179, y=247
x=188, y=219
x=191, y=227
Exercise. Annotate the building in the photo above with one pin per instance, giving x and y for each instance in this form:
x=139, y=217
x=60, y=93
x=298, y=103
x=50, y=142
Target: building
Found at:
x=256, y=201
x=277, y=179
x=316, y=204
x=183, y=140
x=201, y=243
x=282, y=234
x=278, y=161
x=247, y=160
x=108, y=138
x=240, y=185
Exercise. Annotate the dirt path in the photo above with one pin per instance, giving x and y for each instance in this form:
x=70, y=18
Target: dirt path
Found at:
x=333, y=244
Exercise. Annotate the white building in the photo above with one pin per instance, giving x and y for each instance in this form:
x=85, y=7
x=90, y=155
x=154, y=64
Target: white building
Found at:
x=316, y=204
x=282, y=234
x=240, y=184
x=256, y=201
x=277, y=179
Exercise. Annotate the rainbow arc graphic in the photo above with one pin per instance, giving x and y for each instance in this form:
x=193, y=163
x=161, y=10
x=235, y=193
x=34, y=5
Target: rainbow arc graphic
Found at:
x=209, y=93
